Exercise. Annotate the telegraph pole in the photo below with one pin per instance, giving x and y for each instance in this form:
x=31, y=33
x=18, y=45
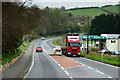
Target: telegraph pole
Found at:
x=88, y=38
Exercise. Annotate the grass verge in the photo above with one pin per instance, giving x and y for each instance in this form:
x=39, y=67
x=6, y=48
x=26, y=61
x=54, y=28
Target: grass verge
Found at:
x=57, y=42
x=106, y=59
x=9, y=57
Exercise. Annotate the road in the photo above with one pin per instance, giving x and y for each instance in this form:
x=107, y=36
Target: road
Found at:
x=45, y=67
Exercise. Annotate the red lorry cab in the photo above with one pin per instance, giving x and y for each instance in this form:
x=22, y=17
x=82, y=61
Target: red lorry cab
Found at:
x=71, y=45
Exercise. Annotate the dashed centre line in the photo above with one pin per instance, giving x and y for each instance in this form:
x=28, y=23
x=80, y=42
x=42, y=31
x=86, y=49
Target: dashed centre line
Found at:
x=99, y=72
x=109, y=77
x=90, y=67
x=76, y=62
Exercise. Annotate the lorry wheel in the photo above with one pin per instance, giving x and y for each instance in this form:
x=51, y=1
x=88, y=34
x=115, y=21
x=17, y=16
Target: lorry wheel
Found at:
x=68, y=55
x=65, y=53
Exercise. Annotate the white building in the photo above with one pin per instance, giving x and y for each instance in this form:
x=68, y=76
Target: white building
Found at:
x=112, y=41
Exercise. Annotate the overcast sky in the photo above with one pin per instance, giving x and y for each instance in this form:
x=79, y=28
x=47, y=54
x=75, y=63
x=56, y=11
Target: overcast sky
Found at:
x=73, y=3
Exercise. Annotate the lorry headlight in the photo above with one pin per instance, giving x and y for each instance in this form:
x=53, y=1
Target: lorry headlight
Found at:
x=68, y=52
x=79, y=53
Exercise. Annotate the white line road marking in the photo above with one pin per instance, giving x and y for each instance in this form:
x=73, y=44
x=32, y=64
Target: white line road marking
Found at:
x=31, y=64
x=109, y=77
x=75, y=61
x=84, y=64
x=53, y=38
x=47, y=45
x=101, y=63
x=70, y=77
x=90, y=67
x=62, y=67
x=72, y=67
x=67, y=73
x=58, y=64
x=52, y=43
x=99, y=72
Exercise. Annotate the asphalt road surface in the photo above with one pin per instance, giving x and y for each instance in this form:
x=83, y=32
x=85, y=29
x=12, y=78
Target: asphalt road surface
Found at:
x=45, y=67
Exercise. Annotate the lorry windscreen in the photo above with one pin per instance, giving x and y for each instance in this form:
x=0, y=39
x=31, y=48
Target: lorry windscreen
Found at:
x=74, y=45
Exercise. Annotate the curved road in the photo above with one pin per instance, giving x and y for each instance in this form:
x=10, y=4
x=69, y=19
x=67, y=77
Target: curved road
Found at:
x=45, y=67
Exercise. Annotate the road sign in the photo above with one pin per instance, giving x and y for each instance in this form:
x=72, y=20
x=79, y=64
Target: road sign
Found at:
x=93, y=37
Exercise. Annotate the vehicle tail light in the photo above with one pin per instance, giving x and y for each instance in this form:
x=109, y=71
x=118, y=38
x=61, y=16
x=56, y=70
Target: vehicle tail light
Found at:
x=40, y=49
x=37, y=49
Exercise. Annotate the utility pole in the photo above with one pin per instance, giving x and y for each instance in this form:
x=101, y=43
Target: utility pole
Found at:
x=88, y=38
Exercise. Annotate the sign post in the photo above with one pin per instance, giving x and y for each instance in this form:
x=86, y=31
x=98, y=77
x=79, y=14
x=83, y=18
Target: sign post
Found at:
x=88, y=38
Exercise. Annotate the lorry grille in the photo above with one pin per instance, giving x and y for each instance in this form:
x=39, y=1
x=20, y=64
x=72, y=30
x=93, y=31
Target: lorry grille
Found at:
x=74, y=50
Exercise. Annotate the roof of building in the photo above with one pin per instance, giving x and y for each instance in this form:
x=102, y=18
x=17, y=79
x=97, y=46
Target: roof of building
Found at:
x=73, y=39
x=93, y=37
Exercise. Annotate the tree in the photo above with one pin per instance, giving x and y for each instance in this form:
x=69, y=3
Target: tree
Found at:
x=62, y=8
x=105, y=24
x=19, y=20
x=46, y=8
x=12, y=31
x=85, y=28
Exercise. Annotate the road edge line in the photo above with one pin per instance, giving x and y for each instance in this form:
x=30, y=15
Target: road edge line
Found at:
x=29, y=69
x=84, y=64
x=57, y=62
x=91, y=59
x=100, y=62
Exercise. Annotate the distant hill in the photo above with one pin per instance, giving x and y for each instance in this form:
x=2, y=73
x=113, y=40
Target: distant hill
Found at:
x=112, y=9
x=92, y=11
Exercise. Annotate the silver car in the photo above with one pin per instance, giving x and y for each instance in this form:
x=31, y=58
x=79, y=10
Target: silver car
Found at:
x=43, y=38
x=105, y=51
x=116, y=52
x=57, y=50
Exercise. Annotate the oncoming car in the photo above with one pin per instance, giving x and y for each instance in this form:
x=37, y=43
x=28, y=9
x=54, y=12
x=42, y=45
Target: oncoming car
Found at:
x=57, y=50
x=39, y=49
x=43, y=38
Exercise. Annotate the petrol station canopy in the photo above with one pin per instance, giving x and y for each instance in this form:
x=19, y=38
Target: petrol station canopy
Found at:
x=94, y=37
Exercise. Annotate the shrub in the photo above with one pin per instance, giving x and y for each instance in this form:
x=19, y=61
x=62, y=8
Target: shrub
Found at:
x=94, y=49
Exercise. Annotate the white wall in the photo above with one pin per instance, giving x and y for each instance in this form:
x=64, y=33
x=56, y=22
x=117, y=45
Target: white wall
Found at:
x=112, y=46
x=119, y=44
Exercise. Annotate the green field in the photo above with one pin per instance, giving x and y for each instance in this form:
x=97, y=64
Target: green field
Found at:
x=87, y=12
x=115, y=9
